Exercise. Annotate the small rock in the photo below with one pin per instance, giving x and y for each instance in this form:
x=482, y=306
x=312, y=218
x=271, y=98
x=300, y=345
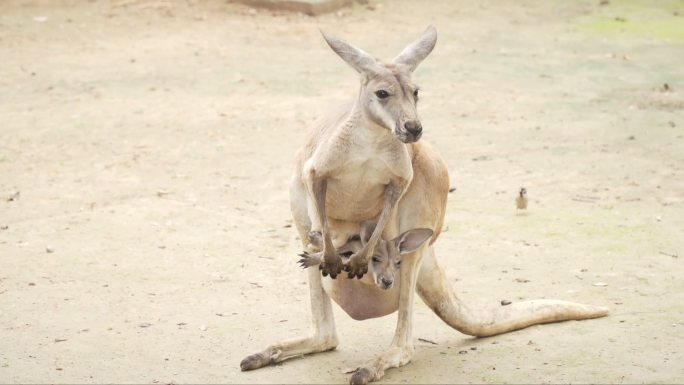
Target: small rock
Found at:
x=452, y=189
x=462, y=352
x=145, y=325
x=473, y=348
x=4, y=227
x=672, y=124
x=505, y=302
x=59, y=340
x=49, y=250
x=14, y=197
x=631, y=137
x=31, y=284
x=203, y=328
x=600, y=284
x=60, y=369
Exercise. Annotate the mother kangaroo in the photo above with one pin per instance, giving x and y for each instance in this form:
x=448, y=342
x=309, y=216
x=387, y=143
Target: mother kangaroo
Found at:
x=364, y=161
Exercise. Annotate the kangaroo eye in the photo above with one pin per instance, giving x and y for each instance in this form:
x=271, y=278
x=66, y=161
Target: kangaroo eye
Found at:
x=415, y=93
x=376, y=259
x=382, y=94
x=398, y=263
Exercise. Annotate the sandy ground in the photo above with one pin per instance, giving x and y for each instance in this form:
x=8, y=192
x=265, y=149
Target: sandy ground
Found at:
x=151, y=145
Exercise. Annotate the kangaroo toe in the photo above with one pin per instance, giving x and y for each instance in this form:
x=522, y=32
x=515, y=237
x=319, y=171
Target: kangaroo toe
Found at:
x=361, y=376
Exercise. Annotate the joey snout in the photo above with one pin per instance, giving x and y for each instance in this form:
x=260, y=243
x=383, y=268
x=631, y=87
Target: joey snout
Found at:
x=385, y=283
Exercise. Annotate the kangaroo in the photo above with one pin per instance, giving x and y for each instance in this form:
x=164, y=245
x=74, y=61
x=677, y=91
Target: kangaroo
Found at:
x=363, y=160
x=386, y=260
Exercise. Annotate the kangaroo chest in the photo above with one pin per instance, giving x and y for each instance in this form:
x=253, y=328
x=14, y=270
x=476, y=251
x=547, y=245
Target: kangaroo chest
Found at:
x=356, y=189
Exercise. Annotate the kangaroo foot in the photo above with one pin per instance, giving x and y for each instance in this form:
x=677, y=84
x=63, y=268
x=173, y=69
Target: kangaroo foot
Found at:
x=258, y=360
x=394, y=357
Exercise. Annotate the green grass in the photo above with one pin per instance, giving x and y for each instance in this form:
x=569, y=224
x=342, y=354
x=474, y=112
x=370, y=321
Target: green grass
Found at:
x=637, y=18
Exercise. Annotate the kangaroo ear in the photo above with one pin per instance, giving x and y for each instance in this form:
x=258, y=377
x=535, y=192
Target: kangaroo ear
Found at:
x=355, y=57
x=367, y=228
x=411, y=240
x=415, y=52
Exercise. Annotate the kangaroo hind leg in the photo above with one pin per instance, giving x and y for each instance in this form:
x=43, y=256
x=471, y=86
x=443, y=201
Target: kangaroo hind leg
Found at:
x=324, y=336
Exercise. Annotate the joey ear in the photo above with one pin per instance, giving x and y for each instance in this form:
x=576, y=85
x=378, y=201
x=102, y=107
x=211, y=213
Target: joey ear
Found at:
x=367, y=228
x=355, y=57
x=415, y=52
x=411, y=240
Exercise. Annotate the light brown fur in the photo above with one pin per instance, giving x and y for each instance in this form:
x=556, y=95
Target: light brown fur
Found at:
x=343, y=172
x=386, y=260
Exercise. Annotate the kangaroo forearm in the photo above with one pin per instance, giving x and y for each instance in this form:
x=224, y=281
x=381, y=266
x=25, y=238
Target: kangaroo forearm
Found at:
x=320, y=186
x=393, y=192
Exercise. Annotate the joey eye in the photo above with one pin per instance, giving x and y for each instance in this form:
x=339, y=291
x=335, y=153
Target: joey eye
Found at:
x=382, y=94
x=376, y=259
x=415, y=93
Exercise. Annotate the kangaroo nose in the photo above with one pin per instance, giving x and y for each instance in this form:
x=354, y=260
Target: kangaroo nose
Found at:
x=413, y=127
x=386, y=282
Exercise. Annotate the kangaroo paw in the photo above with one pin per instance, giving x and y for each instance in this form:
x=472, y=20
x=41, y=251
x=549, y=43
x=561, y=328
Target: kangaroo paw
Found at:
x=307, y=260
x=357, y=266
x=332, y=269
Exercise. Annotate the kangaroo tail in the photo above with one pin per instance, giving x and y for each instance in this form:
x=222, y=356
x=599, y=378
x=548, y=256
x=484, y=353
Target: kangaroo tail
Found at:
x=435, y=291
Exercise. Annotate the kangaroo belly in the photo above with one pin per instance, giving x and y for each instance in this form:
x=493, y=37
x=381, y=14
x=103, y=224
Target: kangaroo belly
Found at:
x=362, y=299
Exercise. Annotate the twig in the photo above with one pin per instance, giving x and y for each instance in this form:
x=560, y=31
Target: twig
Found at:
x=428, y=341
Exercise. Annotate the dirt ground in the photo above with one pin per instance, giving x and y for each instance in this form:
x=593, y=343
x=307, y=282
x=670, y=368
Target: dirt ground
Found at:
x=146, y=148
